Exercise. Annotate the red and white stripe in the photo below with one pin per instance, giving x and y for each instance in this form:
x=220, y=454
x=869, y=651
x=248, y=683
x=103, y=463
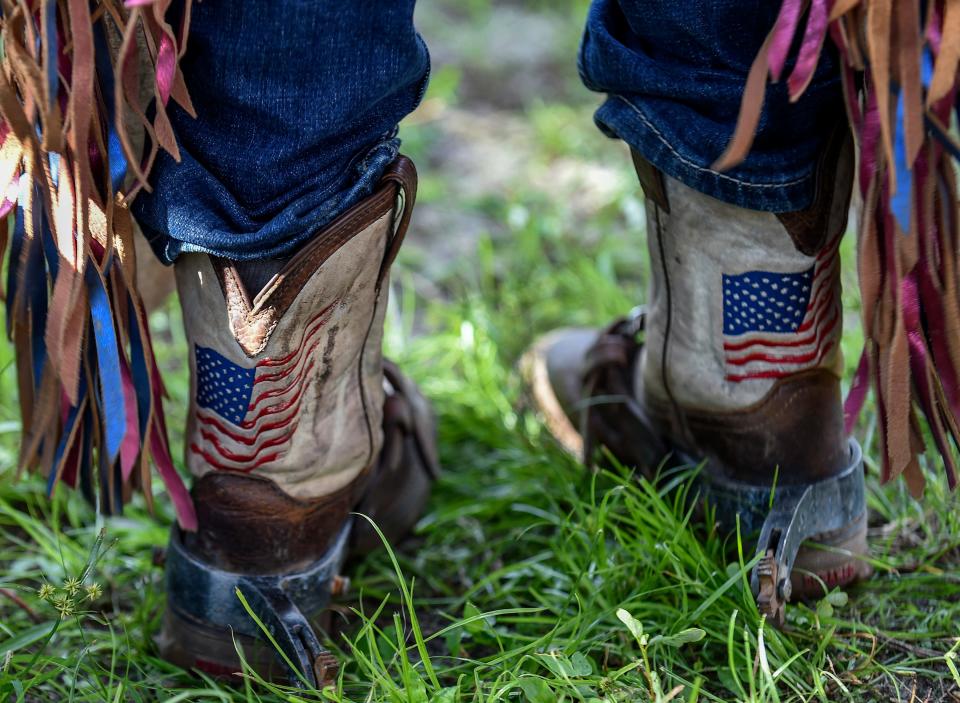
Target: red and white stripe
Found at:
x=760, y=355
x=273, y=413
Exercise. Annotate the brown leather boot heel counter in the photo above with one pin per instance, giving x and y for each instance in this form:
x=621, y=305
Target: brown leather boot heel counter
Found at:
x=796, y=430
x=248, y=524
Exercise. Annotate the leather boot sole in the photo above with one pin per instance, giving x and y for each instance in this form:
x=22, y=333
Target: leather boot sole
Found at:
x=831, y=560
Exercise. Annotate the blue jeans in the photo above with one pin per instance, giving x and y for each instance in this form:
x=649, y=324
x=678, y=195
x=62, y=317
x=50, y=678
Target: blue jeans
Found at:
x=674, y=72
x=297, y=109
x=298, y=103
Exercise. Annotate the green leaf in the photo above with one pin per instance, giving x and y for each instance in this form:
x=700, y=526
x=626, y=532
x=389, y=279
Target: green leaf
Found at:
x=580, y=665
x=838, y=599
x=536, y=690
x=387, y=643
x=634, y=625
x=566, y=667
x=691, y=634
x=476, y=622
x=453, y=639
x=447, y=695
x=558, y=664
x=26, y=638
x=825, y=608
x=415, y=688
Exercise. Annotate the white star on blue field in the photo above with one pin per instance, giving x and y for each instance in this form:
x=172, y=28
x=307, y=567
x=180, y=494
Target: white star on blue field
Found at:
x=222, y=386
x=762, y=301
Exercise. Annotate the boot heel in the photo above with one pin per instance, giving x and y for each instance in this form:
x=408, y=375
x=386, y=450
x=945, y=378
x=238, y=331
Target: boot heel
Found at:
x=204, y=613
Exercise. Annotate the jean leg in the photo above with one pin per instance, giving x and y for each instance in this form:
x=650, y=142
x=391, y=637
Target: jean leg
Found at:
x=297, y=103
x=674, y=74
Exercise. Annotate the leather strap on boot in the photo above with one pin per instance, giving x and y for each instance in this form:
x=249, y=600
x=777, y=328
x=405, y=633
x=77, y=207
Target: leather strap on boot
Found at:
x=611, y=416
x=210, y=596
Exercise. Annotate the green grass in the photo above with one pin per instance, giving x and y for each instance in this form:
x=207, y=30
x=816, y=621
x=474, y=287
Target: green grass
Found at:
x=529, y=578
x=519, y=568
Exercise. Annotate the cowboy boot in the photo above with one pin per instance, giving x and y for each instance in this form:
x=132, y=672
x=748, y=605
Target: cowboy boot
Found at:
x=295, y=420
x=734, y=362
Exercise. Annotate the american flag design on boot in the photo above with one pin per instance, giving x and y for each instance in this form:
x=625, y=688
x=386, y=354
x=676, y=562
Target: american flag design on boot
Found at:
x=256, y=407
x=776, y=324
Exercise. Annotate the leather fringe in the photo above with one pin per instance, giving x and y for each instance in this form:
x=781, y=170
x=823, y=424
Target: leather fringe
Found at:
x=899, y=65
x=70, y=111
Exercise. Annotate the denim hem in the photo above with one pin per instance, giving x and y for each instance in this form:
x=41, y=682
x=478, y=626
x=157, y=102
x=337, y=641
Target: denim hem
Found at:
x=288, y=138
x=357, y=182
x=623, y=118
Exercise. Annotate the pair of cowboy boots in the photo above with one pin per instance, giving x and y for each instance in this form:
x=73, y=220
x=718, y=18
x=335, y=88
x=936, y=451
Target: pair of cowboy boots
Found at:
x=296, y=420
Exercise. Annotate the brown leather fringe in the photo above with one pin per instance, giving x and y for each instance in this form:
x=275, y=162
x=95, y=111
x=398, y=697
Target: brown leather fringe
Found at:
x=72, y=122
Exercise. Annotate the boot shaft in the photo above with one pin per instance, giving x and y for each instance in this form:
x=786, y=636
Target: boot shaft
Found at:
x=287, y=389
x=742, y=356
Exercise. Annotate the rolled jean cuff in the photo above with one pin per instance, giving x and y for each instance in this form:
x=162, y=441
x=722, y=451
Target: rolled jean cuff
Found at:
x=296, y=224
x=674, y=75
x=626, y=118
x=289, y=132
